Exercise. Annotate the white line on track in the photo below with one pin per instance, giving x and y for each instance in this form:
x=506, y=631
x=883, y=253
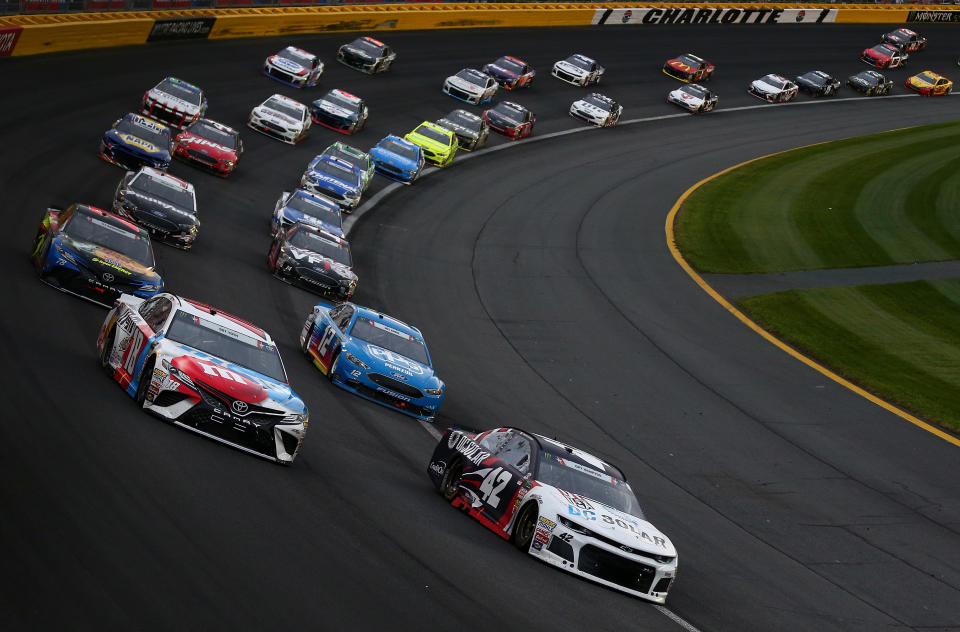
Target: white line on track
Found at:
x=370, y=204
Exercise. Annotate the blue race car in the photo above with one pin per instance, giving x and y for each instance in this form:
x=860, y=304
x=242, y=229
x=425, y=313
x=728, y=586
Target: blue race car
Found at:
x=303, y=206
x=136, y=141
x=94, y=254
x=397, y=159
x=334, y=178
x=374, y=356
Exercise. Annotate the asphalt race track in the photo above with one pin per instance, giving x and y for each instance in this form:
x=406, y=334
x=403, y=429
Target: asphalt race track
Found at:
x=542, y=281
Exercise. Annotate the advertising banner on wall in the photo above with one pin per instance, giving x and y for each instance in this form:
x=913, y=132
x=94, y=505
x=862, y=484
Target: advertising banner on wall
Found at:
x=713, y=15
x=181, y=28
x=933, y=16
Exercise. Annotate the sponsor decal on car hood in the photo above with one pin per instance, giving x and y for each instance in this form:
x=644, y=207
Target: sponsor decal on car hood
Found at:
x=463, y=84
x=275, y=116
x=172, y=102
x=570, y=68
x=206, y=146
x=287, y=64
x=334, y=109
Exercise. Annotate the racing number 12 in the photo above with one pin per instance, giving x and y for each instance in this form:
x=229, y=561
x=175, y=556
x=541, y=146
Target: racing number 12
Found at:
x=493, y=484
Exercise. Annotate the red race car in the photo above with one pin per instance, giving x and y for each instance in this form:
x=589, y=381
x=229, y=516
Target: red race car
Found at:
x=884, y=56
x=210, y=145
x=688, y=68
x=510, y=119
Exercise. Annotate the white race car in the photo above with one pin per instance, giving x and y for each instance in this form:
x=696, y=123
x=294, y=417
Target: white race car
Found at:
x=773, y=88
x=471, y=85
x=597, y=109
x=578, y=70
x=693, y=97
x=294, y=67
x=557, y=503
x=204, y=370
x=282, y=118
x=174, y=102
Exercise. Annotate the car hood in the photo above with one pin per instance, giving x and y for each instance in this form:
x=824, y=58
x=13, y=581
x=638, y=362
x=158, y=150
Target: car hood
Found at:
x=334, y=184
x=205, y=146
x=318, y=262
x=136, y=143
x=288, y=65
x=429, y=143
x=458, y=129
x=384, y=155
x=463, y=84
x=568, y=67
x=102, y=260
x=334, y=109
x=763, y=86
x=499, y=72
x=275, y=116
x=173, y=102
x=393, y=364
x=590, y=109
x=158, y=206
x=357, y=52
x=626, y=530
x=686, y=97
x=503, y=121
x=294, y=215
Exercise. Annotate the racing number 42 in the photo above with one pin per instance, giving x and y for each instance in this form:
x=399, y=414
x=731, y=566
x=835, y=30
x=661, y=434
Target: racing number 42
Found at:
x=493, y=483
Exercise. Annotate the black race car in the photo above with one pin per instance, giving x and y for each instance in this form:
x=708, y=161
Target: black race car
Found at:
x=314, y=259
x=906, y=40
x=340, y=111
x=164, y=205
x=870, y=83
x=471, y=130
x=94, y=254
x=366, y=55
x=818, y=83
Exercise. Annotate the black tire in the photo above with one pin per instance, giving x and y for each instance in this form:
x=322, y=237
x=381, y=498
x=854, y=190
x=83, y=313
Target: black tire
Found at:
x=525, y=526
x=333, y=364
x=449, y=484
x=143, y=383
x=105, y=352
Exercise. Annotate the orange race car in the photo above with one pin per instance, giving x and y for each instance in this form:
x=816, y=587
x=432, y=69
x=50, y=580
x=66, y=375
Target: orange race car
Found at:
x=929, y=83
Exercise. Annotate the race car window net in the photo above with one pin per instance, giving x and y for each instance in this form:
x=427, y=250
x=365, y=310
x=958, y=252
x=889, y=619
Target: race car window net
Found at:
x=390, y=339
x=283, y=108
x=328, y=214
x=568, y=475
x=172, y=193
x=309, y=240
x=159, y=138
x=218, y=136
x=227, y=344
x=107, y=233
x=403, y=150
x=180, y=91
x=433, y=134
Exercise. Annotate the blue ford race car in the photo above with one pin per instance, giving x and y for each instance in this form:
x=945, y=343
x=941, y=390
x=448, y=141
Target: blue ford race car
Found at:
x=397, y=159
x=334, y=178
x=374, y=356
x=303, y=206
x=136, y=141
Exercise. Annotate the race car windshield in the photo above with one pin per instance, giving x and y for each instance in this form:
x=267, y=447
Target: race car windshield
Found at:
x=600, y=103
x=432, y=134
x=459, y=117
x=585, y=481
x=508, y=112
x=397, y=148
x=923, y=76
x=156, y=137
x=367, y=46
x=309, y=240
x=770, y=80
x=579, y=62
x=283, y=108
x=340, y=102
x=690, y=61
x=390, y=339
x=337, y=171
x=694, y=90
x=296, y=58
x=349, y=158
x=509, y=65
x=227, y=344
x=109, y=233
x=155, y=187
x=190, y=95
x=866, y=77
x=215, y=135
x=473, y=76
x=323, y=213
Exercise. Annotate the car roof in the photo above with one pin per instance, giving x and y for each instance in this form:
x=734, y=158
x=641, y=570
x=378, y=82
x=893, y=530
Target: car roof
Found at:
x=568, y=453
x=228, y=321
x=396, y=323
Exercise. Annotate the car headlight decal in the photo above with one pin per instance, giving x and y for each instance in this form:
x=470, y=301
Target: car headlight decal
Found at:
x=355, y=360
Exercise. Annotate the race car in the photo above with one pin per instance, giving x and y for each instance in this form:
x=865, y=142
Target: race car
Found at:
x=375, y=356
x=597, y=109
x=870, y=82
x=367, y=55
x=335, y=179
x=134, y=141
x=773, y=88
x=205, y=370
x=884, y=56
x=94, y=254
x=294, y=67
x=693, y=97
x=510, y=72
x=510, y=119
x=210, y=145
x=174, y=102
x=313, y=259
x=929, y=84
x=357, y=159
x=471, y=130
x=340, y=111
x=905, y=40
x=307, y=208
x=166, y=206
x=688, y=68
x=578, y=70
x=281, y=117
x=818, y=83
x=438, y=144
x=397, y=159
x=560, y=504
x=470, y=85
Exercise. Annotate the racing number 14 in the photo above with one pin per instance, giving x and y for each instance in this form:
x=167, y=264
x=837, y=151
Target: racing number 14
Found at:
x=493, y=484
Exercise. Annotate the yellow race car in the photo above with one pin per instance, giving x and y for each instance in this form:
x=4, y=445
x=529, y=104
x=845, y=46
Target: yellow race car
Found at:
x=439, y=145
x=929, y=83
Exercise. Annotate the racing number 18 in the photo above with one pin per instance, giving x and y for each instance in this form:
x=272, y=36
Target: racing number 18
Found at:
x=493, y=484
x=133, y=350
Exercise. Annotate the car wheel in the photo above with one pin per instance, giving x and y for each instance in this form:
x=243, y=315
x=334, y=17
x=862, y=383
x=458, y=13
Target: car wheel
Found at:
x=525, y=526
x=450, y=483
x=107, y=349
x=143, y=383
x=333, y=364
x=306, y=340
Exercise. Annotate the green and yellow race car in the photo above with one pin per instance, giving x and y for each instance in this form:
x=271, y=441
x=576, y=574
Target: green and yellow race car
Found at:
x=439, y=145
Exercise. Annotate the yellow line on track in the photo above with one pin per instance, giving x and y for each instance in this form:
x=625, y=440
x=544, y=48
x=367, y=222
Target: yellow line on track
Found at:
x=671, y=243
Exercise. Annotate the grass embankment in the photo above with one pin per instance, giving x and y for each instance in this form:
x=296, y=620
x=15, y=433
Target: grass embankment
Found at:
x=875, y=200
